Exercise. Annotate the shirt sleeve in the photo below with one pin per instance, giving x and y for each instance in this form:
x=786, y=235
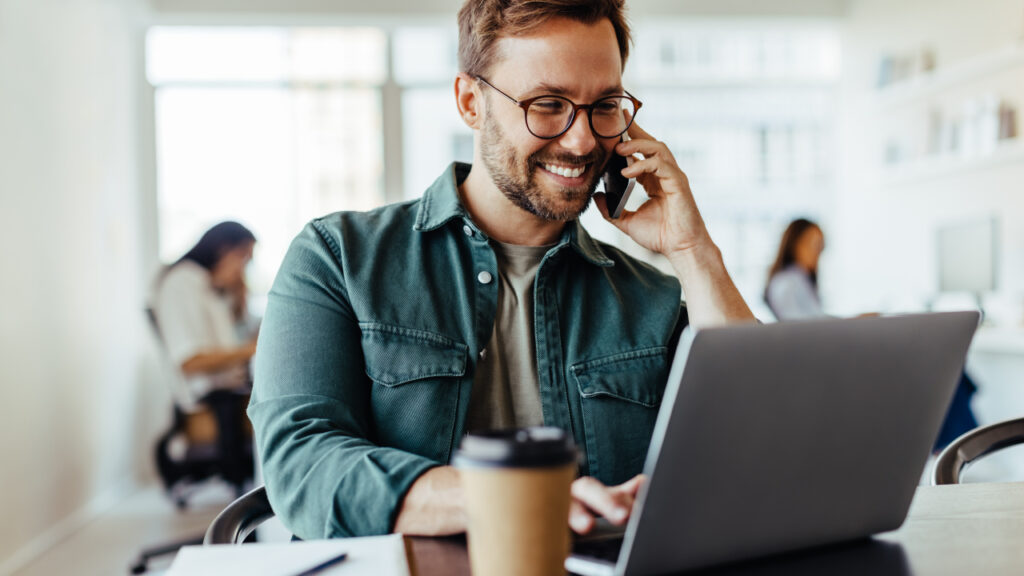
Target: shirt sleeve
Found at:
x=792, y=297
x=681, y=323
x=180, y=314
x=310, y=405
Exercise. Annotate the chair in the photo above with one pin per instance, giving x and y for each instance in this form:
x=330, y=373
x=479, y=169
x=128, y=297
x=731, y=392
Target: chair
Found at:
x=217, y=444
x=215, y=439
x=215, y=436
x=974, y=445
x=236, y=522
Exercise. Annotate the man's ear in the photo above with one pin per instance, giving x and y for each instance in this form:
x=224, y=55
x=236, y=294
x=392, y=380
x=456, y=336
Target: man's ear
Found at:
x=469, y=100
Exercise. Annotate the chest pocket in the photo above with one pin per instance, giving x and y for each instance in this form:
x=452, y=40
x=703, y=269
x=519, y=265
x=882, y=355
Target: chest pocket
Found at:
x=620, y=397
x=415, y=396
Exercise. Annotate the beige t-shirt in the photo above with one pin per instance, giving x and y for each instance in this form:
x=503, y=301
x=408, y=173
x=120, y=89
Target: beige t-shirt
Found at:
x=506, y=388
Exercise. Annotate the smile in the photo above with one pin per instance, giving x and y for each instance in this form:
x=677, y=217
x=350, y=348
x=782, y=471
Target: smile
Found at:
x=565, y=171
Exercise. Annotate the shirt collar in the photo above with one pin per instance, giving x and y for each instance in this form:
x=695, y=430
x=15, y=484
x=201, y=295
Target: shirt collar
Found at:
x=441, y=204
x=591, y=250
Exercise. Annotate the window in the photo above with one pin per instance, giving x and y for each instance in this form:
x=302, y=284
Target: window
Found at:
x=433, y=133
x=748, y=110
x=274, y=126
x=268, y=126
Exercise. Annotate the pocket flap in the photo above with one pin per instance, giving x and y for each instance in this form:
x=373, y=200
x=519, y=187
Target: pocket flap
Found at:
x=636, y=376
x=396, y=355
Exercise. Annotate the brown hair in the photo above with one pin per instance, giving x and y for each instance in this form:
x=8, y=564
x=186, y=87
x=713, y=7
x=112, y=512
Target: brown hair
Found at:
x=787, y=249
x=482, y=22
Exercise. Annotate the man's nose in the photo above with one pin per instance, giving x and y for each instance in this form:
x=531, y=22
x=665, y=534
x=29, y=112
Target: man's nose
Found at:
x=579, y=138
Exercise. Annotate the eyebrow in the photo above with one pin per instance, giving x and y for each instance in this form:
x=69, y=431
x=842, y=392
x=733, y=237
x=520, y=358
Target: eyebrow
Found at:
x=545, y=88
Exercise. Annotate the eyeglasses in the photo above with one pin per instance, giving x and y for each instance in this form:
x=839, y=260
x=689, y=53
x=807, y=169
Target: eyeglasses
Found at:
x=550, y=116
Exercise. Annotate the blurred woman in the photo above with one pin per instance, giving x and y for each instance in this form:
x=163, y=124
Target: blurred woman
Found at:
x=792, y=294
x=200, y=310
x=792, y=290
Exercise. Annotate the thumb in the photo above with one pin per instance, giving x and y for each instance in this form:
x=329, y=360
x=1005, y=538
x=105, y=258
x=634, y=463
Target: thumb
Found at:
x=632, y=486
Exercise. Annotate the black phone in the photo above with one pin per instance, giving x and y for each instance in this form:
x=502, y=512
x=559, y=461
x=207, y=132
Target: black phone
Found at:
x=617, y=187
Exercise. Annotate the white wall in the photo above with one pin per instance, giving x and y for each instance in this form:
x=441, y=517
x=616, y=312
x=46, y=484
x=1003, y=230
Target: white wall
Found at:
x=881, y=252
x=77, y=412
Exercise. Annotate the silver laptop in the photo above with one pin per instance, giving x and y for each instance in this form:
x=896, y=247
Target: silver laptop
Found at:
x=785, y=436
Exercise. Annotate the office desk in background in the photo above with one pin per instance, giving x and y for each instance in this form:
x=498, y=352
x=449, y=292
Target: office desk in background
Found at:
x=952, y=530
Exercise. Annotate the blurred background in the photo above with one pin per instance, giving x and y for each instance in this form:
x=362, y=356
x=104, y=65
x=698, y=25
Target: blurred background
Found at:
x=128, y=127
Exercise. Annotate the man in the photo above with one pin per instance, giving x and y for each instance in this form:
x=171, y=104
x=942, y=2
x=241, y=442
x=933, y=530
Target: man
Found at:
x=389, y=334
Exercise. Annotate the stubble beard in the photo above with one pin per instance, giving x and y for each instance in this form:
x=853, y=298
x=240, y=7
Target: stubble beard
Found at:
x=516, y=177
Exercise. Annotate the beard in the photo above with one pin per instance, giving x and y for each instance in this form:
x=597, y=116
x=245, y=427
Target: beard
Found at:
x=516, y=178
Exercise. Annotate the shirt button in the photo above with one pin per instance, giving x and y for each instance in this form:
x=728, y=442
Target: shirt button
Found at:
x=467, y=230
x=484, y=277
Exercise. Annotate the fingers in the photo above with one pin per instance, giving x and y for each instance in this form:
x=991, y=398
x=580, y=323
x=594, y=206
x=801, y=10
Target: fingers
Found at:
x=646, y=147
x=662, y=169
x=657, y=161
x=591, y=498
x=613, y=505
x=644, y=144
x=635, y=131
x=649, y=165
x=632, y=486
x=580, y=520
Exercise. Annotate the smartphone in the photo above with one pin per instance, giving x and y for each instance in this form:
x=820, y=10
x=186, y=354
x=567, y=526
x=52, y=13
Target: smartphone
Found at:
x=617, y=187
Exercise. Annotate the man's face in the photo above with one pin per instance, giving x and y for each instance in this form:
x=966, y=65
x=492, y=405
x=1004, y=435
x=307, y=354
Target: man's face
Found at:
x=551, y=179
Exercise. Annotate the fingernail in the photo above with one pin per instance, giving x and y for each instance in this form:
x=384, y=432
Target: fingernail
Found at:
x=578, y=521
x=619, y=514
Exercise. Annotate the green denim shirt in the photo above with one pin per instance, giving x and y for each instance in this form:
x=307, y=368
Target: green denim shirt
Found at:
x=373, y=330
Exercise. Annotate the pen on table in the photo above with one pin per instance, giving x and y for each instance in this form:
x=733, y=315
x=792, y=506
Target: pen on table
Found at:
x=325, y=564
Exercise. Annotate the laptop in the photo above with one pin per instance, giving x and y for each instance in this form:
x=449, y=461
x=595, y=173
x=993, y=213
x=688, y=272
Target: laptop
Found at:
x=773, y=438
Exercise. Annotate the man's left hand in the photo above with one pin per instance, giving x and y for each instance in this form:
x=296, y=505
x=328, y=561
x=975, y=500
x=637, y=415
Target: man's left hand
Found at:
x=590, y=498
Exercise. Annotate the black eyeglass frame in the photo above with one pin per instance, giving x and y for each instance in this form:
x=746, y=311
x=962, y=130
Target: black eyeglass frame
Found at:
x=526, y=102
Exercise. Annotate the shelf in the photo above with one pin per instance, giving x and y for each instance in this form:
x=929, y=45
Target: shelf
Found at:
x=943, y=78
x=924, y=169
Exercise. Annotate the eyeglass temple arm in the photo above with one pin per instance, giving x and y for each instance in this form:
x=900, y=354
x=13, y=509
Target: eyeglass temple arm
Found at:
x=514, y=101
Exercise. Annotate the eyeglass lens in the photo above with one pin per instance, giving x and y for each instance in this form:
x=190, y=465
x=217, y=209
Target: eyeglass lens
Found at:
x=549, y=117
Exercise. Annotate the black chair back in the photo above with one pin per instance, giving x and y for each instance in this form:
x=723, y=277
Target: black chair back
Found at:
x=236, y=522
x=974, y=445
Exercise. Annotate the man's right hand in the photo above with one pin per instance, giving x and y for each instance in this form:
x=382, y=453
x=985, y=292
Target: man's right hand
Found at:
x=434, y=505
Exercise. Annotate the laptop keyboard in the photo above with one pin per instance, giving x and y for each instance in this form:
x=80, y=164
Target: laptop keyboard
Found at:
x=606, y=550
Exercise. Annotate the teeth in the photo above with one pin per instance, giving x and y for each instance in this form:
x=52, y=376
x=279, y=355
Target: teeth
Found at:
x=565, y=170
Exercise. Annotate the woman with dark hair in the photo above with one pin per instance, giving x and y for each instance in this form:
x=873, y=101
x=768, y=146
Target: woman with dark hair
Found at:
x=792, y=290
x=200, y=310
x=792, y=294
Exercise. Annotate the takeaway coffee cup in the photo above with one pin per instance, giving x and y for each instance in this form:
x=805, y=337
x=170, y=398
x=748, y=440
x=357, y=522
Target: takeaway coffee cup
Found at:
x=516, y=485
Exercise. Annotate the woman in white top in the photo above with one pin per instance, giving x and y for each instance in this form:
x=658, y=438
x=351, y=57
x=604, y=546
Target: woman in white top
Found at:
x=200, y=308
x=792, y=291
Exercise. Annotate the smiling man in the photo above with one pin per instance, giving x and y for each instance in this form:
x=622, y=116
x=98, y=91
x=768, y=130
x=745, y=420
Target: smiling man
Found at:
x=485, y=304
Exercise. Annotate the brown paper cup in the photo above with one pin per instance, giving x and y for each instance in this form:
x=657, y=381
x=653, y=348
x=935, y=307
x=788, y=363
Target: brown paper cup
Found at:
x=518, y=507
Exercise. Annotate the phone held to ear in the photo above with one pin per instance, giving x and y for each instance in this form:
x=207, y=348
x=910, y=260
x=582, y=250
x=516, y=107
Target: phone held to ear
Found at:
x=617, y=187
